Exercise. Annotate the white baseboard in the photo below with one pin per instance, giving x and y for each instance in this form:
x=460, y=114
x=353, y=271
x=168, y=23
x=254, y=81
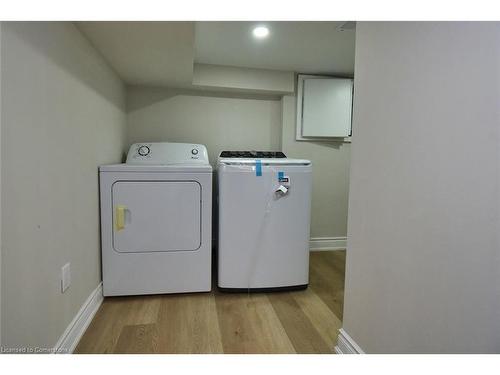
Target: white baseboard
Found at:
x=346, y=345
x=327, y=243
x=75, y=330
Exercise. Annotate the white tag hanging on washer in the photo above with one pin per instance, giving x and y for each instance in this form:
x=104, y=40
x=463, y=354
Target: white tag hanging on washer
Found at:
x=282, y=190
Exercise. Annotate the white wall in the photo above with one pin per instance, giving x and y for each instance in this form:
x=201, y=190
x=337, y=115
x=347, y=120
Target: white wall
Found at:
x=330, y=176
x=219, y=121
x=230, y=78
x=423, y=260
x=62, y=116
x=1, y=26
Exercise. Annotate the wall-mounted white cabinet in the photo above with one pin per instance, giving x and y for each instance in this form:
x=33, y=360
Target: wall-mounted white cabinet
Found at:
x=324, y=107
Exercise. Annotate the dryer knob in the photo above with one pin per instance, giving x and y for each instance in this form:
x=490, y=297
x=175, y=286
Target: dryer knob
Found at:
x=143, y=150
x=194, y=151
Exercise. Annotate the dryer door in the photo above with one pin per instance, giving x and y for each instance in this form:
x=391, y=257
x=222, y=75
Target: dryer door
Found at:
x=156, y=216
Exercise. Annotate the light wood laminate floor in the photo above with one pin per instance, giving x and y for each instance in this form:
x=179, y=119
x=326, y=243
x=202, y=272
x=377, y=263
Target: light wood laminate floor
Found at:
x=286, y=322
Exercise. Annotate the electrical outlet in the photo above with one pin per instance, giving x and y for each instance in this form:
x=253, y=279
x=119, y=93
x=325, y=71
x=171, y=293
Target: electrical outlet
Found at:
x=65, y=277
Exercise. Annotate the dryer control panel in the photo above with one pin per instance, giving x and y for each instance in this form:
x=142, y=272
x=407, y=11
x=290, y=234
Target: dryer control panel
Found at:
x=167, y=153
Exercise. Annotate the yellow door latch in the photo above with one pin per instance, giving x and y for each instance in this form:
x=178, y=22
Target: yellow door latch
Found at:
x=120, y=217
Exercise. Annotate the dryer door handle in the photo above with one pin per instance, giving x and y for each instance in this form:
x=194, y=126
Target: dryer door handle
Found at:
x=120, y=217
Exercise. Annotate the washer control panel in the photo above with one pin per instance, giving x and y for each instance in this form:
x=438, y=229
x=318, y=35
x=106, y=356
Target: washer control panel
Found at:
x=165, y=153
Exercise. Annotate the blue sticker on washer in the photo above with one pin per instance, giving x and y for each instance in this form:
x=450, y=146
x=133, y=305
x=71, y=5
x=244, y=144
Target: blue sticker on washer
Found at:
x=281, y=175
x=258, y=168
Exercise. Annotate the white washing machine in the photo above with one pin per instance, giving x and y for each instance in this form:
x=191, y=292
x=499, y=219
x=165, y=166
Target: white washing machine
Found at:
x=264, y=220
x=156, y=212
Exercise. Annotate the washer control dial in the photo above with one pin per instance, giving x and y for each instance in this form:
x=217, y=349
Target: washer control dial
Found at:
x=143, y=150
x=194, y=151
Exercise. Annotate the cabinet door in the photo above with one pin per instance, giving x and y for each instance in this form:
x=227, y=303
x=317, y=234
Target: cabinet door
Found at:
x=326, y=107
x=151, y=216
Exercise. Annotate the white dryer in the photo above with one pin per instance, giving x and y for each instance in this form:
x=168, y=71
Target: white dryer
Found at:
x=156, y=212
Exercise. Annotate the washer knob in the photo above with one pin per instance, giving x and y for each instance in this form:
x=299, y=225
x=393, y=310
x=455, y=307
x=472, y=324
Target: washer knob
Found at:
x=194, y=151
x=143, y=150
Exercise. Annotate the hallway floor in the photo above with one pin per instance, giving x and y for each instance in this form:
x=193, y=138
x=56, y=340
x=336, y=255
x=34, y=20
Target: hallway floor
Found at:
x=288, y=322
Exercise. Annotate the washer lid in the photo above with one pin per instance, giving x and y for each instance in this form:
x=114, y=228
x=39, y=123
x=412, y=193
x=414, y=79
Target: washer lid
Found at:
x=264, y=161
x=172, y=168
x=253, y=154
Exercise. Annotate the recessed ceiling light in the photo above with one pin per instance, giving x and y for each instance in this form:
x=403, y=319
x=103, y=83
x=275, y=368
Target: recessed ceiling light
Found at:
x=260, y=32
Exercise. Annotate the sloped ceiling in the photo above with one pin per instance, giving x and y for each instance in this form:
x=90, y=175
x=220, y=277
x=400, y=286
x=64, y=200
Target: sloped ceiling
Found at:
x=148, y=53
x=164, y=53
